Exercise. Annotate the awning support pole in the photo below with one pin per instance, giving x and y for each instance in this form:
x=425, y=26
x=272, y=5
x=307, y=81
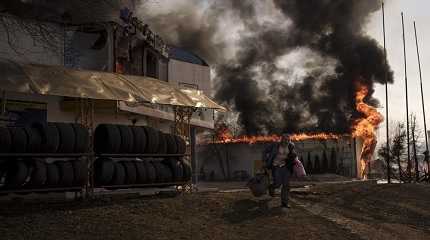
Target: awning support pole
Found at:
x=182, y=127
x=3, y=103
x=86, y=113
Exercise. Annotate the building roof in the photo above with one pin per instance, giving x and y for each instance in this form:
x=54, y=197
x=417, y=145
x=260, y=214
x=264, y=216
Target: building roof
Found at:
x=186, y=56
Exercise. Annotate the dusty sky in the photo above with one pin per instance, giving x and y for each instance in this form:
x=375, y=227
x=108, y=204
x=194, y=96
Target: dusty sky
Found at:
x=413, y=10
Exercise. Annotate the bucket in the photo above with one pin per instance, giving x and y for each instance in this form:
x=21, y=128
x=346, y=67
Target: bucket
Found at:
x=259, y=184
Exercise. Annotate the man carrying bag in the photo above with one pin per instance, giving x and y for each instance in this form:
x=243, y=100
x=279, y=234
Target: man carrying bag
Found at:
x=280, y=159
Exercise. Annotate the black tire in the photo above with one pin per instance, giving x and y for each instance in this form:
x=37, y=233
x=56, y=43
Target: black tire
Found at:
x=34, y=140
x=139, y=139
x=130, y=172
x=66, y=173
x=3, y=170
x=172, y=147
x=187, y=171
x=167, y=174
x=151, y=174
x=119, y=175
x=39, y=174
x=160, y=171
x=52, y=175
x=162, y=144
x=141, y=177
x=17, y=174
x=176, y=168
x=5, y=140
x=126, y=139
x=80, y=173
x=107, y=139
x=82, y=139
x=19, y=140
x=50, y=137
x=181, y=145
x=152, y=140
x=67, y=137
x=104, y=169
x=179, y=172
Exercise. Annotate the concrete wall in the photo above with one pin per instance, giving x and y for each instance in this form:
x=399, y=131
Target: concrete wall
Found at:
x=245, y=157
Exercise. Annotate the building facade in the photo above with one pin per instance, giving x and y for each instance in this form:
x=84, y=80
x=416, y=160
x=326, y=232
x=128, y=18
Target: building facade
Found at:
x=108, y=39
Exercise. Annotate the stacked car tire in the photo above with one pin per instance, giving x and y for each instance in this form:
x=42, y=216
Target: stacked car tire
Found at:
x=122, y=139
x=43, y=138
x=39, y=174
x=128, y=172
x=62, y=139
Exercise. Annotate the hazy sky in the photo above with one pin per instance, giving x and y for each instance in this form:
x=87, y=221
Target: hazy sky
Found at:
x=413, y=10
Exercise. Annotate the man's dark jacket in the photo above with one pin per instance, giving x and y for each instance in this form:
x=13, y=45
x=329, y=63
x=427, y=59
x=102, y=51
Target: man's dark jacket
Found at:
x=270, y=153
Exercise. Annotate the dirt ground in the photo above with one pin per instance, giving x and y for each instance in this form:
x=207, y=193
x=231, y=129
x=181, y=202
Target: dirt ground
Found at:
x=334, y=211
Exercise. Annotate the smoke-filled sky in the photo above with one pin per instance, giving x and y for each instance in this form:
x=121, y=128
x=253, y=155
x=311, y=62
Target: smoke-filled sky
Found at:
x=283, y=66
x=293, y=65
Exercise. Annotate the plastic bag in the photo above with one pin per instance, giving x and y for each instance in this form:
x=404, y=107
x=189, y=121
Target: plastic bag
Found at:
x=259, y=184
x=299, y=170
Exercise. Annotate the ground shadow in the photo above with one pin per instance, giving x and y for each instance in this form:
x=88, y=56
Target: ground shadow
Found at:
x=248, y=209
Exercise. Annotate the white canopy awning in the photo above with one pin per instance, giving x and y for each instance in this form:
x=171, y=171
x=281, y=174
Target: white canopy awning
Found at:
x=61, y=81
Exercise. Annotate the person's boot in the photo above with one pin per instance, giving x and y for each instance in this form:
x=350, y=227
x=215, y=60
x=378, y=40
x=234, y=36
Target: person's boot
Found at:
x=286, y=205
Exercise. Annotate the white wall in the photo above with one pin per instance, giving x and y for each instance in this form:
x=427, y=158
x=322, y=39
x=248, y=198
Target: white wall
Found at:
x=183, y=72
x=55, y=113
x=198, y=75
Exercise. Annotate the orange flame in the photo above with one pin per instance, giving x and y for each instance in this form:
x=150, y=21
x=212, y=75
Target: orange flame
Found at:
x=365, y=127
x=225, y=136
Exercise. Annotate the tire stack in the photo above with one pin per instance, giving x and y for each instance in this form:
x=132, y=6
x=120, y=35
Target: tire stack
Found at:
x=37, y=173
x=122, y=139
x=126, y=172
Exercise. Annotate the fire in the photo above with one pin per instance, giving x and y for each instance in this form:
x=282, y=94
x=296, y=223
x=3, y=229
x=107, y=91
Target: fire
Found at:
x=225, y=136
x=365, y=127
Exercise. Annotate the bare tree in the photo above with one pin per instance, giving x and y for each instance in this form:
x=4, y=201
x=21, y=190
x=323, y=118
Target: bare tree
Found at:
x=416, y=135
x=398, y=148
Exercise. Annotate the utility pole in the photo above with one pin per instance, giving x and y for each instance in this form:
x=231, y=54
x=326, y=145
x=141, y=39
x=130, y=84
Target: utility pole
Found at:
x=386, y=100
x=407, y=100
x=426, y=153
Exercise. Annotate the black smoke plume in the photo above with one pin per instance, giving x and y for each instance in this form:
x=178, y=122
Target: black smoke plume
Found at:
x=325, y=35
x=323, y=99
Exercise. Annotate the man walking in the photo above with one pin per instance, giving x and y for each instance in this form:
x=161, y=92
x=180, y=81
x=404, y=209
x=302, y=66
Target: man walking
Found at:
x=279, y=158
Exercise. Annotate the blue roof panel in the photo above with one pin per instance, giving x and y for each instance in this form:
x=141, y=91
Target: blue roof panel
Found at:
x=186, y=56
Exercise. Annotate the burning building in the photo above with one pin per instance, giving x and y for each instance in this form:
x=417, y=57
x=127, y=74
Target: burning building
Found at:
x=296, y=67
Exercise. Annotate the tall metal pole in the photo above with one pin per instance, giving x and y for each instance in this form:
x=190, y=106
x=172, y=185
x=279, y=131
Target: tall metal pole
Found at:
x=386, y=99
x=407, y=101
x=422, y=99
